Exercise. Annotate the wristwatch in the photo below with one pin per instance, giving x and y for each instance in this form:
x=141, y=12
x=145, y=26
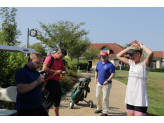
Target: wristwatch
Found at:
x=36, y=82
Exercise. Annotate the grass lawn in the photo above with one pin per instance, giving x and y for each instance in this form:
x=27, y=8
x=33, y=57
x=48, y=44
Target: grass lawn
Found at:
x=155, y=90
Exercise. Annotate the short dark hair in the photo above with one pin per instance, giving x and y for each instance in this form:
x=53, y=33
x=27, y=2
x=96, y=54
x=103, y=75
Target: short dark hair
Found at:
x=63, y=51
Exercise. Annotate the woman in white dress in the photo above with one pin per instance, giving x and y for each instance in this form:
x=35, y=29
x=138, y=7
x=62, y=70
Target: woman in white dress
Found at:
x=136, y=93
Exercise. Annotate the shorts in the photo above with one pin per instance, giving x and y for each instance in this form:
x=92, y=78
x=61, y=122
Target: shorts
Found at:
x=53, y=94
x=40, y=111
x=137, y=110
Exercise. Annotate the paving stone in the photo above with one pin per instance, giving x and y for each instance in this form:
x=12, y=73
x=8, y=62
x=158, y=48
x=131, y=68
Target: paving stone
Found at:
x=117, y=107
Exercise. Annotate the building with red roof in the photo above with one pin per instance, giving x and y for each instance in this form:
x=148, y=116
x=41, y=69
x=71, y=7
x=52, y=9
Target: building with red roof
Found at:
x=113, y=49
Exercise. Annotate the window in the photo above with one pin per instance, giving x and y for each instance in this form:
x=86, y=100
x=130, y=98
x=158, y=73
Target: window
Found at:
x=105, y=51
x=153, y=64
x=116, y=62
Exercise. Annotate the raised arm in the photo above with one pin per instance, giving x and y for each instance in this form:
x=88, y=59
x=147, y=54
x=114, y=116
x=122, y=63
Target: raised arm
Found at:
x=121, y=57
x=149, y=53
x=121, y=54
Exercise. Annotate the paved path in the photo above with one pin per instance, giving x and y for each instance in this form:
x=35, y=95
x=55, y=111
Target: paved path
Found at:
x=117, y=106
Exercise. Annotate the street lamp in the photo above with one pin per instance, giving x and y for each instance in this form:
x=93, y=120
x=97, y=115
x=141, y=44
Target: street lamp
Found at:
x=32, y=33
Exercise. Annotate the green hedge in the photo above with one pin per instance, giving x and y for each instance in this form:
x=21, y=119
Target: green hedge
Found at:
x=10, y=62
x=128, y=67
x=73, y=65
x=157, y=70
x=83, y=66
x=122, y=68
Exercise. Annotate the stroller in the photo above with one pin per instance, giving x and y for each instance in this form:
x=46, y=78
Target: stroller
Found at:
x=78, y=93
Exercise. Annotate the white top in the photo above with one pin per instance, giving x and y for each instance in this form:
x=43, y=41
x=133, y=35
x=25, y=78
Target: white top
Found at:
x=136, y=93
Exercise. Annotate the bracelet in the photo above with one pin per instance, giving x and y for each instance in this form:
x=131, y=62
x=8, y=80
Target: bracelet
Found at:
x=142, y=46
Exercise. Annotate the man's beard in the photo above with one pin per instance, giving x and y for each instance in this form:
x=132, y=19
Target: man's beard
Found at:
x=33, y=67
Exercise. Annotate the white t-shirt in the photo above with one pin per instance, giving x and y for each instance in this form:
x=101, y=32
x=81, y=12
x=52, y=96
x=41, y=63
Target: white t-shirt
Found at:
x=136, y=93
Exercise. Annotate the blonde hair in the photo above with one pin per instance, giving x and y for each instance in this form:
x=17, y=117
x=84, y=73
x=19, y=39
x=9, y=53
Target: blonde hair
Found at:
x=142, y=58
x=35, y=55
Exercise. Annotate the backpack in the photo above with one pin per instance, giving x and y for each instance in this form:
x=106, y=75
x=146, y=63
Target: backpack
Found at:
x=44, y=73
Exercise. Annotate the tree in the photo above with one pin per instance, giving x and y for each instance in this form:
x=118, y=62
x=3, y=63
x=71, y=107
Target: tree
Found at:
x=10, y=62
x=125, y=46
x=38, y=48
x=78, y=48
x=60, y=34
x=9, y=32
x=90, y=53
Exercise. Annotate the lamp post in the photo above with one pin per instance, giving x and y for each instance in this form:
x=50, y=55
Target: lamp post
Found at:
x=32, y=33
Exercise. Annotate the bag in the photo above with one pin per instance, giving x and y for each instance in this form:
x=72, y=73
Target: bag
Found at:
x=44, y=73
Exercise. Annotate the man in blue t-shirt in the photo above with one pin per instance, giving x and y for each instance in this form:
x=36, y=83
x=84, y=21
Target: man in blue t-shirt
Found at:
x=29, y=94
x=105, y=71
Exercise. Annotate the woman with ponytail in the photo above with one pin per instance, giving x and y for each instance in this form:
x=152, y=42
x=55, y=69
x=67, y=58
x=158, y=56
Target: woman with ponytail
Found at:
x=136, y=93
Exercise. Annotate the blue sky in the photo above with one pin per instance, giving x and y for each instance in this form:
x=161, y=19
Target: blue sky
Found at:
x=119, y=25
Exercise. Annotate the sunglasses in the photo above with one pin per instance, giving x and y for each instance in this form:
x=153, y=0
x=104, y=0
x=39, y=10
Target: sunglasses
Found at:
x=131, y=54
x=103, y=56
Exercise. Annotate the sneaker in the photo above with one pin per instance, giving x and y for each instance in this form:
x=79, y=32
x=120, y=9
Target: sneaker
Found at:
x=103, y=114
x=98, y=111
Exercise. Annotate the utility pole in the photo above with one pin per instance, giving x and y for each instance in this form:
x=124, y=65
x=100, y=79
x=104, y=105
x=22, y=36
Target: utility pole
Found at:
x=32, y=33
x=27, y=39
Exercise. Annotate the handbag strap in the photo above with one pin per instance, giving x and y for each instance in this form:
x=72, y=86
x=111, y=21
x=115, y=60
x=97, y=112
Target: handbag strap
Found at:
x=52, y=61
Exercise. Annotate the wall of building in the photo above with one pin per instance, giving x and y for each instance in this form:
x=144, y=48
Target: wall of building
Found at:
x=158, y=64
x=112, y=60
x=94, y=62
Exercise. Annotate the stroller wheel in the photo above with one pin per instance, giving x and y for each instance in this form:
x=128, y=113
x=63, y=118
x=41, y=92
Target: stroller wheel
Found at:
x=71, y=104
x=90, y=103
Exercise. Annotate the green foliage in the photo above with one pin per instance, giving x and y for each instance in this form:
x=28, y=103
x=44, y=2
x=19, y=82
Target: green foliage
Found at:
x=90, y=53
x=78, y=48
x=9, y=32
x=64, y=34
x=65, y=85
x=83, y=66
x=157, y=70
x=60, y=34
x=72, y=73
x=128, y=67
x=65, y=62
x=38, y=47
x=9, y=64
x=122, y=68
x=72, y=66
x=125, y=46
